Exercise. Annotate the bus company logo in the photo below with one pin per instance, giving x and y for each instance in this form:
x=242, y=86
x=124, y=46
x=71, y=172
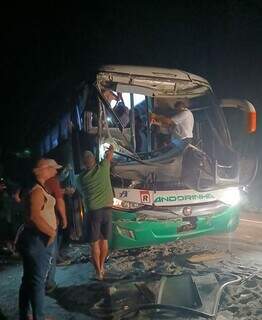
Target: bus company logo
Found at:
x=193, y=197
x=145, y=196
x=123, y=194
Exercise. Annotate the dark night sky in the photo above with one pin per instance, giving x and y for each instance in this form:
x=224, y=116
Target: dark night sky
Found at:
x=45, y=53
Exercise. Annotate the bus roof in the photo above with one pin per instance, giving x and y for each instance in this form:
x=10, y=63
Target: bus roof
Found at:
x=152, y=81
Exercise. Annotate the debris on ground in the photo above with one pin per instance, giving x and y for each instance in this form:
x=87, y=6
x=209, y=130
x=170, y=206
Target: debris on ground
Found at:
x=133, y=278
x=206, y=256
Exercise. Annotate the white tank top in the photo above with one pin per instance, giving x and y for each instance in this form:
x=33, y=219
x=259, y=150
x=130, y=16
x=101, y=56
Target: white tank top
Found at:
x=48, y=211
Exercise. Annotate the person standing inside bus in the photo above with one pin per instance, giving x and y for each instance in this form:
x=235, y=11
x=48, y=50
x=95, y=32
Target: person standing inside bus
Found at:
x=180, y=125
x=95, y=187
x=120, y=109
x=35, y=240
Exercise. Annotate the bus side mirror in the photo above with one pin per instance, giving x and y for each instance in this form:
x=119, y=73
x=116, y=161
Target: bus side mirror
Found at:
x=245, y=106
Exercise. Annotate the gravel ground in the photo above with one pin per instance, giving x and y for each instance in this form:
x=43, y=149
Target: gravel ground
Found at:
x=80, y=296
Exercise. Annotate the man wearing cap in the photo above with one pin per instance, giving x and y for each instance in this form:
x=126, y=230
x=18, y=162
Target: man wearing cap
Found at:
x=53, y=187
x=95, y=187
x=35, y=240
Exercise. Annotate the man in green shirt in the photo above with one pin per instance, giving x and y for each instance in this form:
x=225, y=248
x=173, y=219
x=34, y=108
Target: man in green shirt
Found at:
x=95, y=186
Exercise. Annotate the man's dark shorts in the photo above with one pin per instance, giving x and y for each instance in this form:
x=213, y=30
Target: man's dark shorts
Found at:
x=99, y=224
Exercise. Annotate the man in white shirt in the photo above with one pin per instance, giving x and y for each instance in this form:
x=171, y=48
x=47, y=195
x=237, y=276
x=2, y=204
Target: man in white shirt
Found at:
x=180, y=126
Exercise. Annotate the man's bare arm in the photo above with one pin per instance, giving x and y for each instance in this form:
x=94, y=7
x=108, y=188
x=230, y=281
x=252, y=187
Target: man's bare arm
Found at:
x=109, y=153
x=161, y=120
x=57, y=192
x=60, y=206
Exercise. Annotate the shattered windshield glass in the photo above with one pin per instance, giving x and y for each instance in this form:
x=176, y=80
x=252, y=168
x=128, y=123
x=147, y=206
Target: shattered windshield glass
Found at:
x=154, y=153
x=143, y=139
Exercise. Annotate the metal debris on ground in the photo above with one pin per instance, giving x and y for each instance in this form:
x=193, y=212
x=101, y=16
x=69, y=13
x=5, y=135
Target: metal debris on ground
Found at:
x=126, y=287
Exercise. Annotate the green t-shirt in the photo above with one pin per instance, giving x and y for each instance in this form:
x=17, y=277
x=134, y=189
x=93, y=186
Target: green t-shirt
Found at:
x=95, y=186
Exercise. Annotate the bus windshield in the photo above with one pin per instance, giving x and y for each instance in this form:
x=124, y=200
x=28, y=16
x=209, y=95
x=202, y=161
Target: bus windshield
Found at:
x=125, y=123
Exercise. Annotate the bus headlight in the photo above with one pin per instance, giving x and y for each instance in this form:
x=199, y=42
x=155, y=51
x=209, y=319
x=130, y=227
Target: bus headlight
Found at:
x=231, y=196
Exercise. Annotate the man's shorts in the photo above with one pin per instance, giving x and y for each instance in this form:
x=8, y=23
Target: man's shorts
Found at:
x=99, y=224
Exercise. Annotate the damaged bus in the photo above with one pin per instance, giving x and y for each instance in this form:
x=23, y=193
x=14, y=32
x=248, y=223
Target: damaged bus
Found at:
x=161, y=193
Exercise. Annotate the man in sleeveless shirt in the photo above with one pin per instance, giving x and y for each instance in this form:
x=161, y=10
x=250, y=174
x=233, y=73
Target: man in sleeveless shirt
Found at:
x=35, y=242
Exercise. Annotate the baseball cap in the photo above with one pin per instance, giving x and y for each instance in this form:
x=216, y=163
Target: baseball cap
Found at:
x=45, y=163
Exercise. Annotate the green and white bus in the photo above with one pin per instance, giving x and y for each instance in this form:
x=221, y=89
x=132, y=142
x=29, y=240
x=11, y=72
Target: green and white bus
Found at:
x=163, y=195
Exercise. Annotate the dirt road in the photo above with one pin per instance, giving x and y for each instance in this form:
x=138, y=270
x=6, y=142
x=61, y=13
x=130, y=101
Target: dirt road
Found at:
x=245, y=241
x=80, y=297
